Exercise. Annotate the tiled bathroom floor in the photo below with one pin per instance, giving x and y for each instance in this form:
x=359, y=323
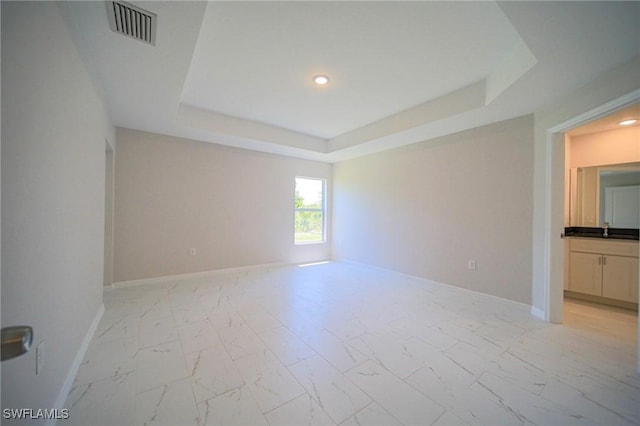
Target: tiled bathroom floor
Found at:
x=345, y=344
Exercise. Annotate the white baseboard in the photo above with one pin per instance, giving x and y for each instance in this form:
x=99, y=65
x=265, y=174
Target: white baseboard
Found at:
x=75, y=366
x=534, y=311
x=451, y=286
x=192, y=275
x=537, y=312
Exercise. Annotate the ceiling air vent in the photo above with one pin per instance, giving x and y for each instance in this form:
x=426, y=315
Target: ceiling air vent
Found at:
x=132, y=21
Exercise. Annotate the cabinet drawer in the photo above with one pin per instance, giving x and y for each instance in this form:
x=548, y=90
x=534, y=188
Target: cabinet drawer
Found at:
x=611, y=247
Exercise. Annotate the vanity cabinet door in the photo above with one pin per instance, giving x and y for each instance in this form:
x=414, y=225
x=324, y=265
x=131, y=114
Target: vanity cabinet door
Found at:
x=620, y=278
x=585, y=273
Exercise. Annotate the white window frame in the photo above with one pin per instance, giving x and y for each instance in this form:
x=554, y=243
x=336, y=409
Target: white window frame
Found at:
x=322, y=210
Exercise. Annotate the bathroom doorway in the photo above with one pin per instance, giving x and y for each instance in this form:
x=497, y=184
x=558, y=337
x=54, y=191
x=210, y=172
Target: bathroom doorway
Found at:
x=555, y=195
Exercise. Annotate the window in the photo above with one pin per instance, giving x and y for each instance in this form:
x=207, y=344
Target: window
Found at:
x=309, y=210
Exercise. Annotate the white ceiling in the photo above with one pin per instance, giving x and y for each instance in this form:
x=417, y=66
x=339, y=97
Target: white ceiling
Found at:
x=382, y=58
x=239, y=73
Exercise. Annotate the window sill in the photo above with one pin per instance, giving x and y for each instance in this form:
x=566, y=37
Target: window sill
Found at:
x=307, y=243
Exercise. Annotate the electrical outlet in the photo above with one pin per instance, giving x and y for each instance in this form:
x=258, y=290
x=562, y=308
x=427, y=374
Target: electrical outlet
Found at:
x=471, y=264
x=39, y=358
x=193, y=252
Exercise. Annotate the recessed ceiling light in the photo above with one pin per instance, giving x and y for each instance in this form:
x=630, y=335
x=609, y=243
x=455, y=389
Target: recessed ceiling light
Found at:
x=628, y=122
x=320, y=80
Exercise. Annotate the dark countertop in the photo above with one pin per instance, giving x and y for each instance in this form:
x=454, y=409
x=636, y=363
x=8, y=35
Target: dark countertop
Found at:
x=614, y=233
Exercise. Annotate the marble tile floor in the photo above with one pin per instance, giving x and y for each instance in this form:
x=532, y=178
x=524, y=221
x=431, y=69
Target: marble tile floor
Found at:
x=343, y=344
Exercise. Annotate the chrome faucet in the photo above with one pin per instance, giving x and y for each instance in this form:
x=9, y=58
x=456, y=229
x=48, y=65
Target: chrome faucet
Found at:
x=606, y=230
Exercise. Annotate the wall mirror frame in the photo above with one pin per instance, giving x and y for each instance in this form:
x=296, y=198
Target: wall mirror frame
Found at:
x=607, y=193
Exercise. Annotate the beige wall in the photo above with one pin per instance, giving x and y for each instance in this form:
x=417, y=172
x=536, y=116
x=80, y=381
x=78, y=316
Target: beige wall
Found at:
x=428, y=208
x=603, y=148
x=53, y=179
x=235, y=207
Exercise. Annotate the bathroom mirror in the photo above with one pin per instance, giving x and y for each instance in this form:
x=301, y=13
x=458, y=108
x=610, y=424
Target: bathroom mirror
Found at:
x=608, y=193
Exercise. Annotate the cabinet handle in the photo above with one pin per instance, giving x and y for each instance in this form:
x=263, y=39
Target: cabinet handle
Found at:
x=604, y=260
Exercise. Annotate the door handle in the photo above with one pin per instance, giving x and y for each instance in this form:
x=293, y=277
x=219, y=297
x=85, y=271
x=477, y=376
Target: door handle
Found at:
x=16, y=341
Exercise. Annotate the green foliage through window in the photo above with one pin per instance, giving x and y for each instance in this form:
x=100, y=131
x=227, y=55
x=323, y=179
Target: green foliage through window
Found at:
x=309, y=210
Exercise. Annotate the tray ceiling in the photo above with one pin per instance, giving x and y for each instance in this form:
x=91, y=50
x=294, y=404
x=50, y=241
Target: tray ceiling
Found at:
x=240, y=73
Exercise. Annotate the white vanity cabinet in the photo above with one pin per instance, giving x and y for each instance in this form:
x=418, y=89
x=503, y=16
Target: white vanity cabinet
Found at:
x=605, y=268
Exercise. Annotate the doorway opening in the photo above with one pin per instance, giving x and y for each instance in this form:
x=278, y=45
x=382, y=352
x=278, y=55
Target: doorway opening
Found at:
x=108, y=214
x=556, y=185
x=602, y=191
